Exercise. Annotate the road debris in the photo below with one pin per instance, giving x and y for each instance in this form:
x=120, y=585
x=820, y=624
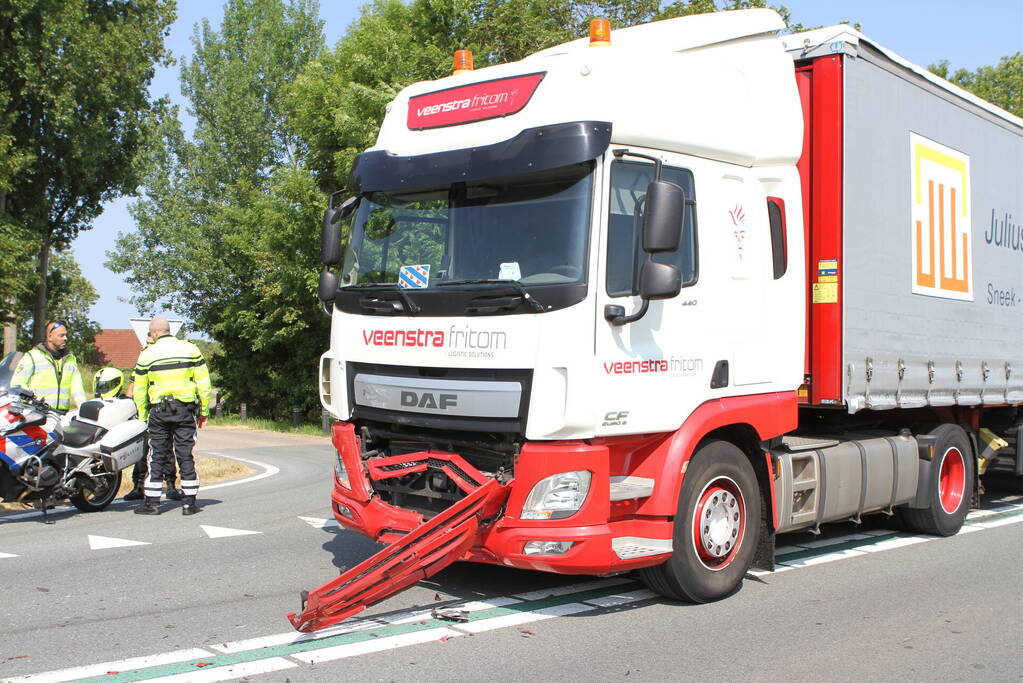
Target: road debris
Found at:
x=450, y=614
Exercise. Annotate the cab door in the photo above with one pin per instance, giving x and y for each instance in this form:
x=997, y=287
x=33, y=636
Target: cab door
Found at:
x=651, y=369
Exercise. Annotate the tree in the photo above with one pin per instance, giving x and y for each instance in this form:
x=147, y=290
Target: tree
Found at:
x=337, y=103
x=71, y=296
x=73, y=92
x=227, y=220
x=1001, y=84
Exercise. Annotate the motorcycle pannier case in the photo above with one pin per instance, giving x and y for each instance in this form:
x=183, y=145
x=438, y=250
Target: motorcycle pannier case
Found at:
x=123, y=445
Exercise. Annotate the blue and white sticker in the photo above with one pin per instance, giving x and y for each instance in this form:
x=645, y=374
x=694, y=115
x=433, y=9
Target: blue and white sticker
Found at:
x=414, y=277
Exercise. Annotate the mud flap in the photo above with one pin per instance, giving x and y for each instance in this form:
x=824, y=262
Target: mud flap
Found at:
x=424, y=551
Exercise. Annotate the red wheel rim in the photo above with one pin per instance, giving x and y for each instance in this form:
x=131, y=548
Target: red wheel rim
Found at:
x=719, y=523
x=952, y=480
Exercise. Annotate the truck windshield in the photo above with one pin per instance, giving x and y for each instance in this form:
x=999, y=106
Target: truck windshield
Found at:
x=531, y=229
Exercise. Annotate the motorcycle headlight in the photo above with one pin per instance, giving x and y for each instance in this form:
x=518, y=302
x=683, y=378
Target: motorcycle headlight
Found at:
x=341, y=472
x=558, y=496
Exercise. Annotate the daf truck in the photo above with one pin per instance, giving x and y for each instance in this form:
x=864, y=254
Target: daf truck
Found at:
x=645, y=301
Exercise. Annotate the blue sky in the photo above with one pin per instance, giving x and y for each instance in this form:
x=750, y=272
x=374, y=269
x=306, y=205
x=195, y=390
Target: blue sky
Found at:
x=923, y=31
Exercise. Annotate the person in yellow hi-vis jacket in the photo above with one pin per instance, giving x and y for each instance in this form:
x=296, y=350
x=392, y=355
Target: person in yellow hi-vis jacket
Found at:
x=51, y=371
x=172, y=392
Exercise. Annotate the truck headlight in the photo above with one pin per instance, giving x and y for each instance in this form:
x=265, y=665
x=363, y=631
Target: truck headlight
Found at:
x=557, y=496
x=341, y=472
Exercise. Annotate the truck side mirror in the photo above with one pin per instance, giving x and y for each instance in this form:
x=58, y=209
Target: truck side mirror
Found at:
x=662, y=217
x=328, y=285
x=659, y=281
x=330, y=244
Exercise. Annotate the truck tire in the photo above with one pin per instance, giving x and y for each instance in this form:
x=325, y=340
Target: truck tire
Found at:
x=716, y=527
x=951, y=485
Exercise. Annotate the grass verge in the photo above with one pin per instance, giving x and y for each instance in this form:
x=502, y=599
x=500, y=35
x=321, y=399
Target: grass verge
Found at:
x=282, y=426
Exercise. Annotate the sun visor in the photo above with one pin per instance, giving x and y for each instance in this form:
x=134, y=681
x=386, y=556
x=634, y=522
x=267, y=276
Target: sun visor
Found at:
x=533, y=150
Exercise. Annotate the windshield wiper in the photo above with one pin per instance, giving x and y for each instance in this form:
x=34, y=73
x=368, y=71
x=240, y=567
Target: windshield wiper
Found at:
x=514, y=284
x=410, y=306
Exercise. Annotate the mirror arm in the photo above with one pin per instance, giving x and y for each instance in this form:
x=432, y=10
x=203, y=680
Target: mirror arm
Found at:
x=323, y=307
x=657, y=162
x=616, y=314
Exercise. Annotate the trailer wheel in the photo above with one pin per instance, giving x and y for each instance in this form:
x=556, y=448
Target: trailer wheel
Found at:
x=716, y=527
x=951, y=483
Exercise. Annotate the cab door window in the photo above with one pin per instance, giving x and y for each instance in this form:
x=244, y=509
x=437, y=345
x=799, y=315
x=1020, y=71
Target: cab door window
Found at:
x=625, y=253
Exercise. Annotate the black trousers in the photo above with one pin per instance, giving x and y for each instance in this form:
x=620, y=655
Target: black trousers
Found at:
x=172, y=426
x=141, y=469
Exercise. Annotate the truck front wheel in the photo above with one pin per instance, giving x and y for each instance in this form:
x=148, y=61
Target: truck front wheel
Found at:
x=951, y=485
x=716, y=527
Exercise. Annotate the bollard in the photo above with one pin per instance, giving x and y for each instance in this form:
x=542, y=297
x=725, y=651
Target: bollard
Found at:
x=220, y=409
x=296, y=416
x=325, y=421
x=244, y=412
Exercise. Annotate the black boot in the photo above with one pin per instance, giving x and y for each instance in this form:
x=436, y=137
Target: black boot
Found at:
x=171, y=492
x=150, y=507
x=135, y=493
x=189, y=508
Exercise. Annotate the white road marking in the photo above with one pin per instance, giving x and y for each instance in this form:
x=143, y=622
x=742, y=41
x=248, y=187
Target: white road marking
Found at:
x=998, y=522
x=226, y=673
x=318, y=523
x=293, y=637
x=835, y=540
x=101, y=669
x=519, y=618
x=377, y=645
x=3, y=555
x=479, y=626
x=420, y=615
x=822, y=559
x=224, y=532
x=622, y=598
x=268, y=471
x=104, y=542
x=574, y=588
x=892, y=543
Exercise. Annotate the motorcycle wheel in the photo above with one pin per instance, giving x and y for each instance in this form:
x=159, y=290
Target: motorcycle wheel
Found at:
x=99, y=498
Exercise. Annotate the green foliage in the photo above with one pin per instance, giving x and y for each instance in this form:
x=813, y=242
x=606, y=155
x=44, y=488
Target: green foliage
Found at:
x=310, y=424
x=73, y=105
x=337, y=102
x=227, y=223
x=70, y=298
x=1001, y=84
x=16, y=267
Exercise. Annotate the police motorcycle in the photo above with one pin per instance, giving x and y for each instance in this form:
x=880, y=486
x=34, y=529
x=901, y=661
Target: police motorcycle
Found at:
x=46, y=457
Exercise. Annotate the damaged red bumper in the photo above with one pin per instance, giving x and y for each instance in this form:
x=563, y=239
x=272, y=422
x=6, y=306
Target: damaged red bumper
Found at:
x=484, y=526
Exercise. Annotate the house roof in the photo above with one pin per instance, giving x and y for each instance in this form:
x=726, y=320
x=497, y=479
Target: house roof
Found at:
x=119, y=348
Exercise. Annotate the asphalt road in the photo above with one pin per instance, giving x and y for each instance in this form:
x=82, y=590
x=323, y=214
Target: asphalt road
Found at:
x=203, y=599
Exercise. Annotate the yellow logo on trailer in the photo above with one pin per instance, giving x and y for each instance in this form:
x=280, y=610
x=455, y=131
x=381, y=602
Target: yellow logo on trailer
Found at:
x=941, y=227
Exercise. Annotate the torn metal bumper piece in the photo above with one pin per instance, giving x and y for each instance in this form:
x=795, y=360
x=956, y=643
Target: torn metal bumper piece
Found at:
x=424, y=551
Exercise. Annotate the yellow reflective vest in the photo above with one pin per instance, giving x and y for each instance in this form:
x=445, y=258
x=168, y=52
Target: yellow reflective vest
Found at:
x=171, y=367
x=55, y=380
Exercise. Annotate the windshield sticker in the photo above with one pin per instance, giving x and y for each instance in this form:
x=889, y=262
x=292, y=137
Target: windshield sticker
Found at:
x=414, y=277
x=510, y=271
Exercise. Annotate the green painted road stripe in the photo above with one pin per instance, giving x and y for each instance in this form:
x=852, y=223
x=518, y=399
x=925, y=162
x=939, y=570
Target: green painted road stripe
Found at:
x=874, y=540
x=837, y=547
x=427, y=623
